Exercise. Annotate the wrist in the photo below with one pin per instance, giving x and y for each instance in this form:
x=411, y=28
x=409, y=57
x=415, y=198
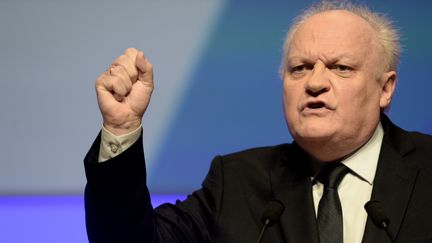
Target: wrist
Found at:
x=122, y=129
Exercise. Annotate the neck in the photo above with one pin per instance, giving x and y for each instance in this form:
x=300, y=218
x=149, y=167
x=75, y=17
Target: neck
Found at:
x=322, y=152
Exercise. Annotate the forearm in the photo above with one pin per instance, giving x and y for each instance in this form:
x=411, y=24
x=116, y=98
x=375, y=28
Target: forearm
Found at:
x=117, y=201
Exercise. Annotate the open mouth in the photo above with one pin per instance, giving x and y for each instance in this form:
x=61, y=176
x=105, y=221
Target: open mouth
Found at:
x=315, y=105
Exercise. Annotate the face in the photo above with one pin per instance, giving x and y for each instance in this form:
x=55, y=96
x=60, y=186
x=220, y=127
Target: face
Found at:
x=334, y=84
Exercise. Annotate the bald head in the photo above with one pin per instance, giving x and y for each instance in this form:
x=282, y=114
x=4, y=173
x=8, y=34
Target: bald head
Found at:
x=333, y=33
x=387, y=36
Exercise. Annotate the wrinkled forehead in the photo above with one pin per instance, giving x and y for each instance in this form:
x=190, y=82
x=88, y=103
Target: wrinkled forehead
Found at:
x=334, y=31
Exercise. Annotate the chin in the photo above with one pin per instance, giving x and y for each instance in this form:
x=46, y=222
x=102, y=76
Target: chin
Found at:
x=313, y=139
x=313, y=133
x=318, y=143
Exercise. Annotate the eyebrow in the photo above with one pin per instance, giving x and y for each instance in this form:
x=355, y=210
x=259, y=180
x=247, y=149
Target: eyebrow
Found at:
x=327, y=60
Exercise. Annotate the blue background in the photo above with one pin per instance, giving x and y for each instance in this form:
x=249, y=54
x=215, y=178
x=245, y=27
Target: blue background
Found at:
x=217, y=91
x=234, y=100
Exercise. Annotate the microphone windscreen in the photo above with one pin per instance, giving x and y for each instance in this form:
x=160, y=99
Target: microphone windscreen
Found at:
x=272, y=212
x=377, y=214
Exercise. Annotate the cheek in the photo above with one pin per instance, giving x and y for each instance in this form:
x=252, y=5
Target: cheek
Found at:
x=359, y=101
x=290, y=99
x=291, y=89
x=371, y=97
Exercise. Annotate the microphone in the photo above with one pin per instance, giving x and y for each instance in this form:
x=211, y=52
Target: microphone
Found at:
x=378, y=216
x=271, y=215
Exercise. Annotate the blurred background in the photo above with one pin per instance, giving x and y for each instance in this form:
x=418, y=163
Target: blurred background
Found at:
x=217, y=91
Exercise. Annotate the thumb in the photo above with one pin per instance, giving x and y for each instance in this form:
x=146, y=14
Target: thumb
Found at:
x=144, y=67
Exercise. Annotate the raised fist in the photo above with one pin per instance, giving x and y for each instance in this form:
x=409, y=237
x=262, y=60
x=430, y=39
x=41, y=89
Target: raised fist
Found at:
x=124, y=91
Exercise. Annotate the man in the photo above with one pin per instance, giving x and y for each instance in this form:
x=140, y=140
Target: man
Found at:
x=339, y=74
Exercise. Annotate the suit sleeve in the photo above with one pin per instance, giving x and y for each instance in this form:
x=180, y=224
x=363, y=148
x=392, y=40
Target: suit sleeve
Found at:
x=118, y=206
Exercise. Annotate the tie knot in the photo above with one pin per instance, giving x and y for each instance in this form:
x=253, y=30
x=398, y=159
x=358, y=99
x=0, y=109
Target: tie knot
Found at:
x=331, y=175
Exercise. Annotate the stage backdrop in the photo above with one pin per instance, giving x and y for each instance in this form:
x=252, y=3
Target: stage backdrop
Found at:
x=217, y=91
x=216, y=76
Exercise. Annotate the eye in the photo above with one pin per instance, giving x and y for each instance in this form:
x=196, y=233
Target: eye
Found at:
x=341, y=68
x=299, y=69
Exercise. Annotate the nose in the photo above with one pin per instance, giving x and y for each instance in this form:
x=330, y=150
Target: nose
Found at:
x=317, y=83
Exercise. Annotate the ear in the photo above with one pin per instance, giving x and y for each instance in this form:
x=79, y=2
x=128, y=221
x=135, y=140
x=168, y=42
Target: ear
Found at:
x=388, y=84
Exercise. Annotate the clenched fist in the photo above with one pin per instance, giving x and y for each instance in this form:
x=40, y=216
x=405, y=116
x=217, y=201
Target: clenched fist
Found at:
x=124, y=91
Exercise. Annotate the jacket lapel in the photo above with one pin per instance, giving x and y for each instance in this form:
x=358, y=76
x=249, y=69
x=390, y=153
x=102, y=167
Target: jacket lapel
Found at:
x=291, y=184
x=394, y=181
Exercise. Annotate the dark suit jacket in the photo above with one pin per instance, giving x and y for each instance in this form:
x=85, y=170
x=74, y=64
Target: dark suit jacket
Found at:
x=233, y=196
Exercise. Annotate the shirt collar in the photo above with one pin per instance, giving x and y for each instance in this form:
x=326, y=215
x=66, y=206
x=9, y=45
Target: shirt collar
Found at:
x=364, y=161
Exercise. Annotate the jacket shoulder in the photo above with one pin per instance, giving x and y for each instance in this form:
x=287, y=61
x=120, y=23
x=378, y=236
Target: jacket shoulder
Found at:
x=257, y=154
x=422, y=140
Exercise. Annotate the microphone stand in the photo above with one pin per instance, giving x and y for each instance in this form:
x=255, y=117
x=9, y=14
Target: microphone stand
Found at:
x=266, y=223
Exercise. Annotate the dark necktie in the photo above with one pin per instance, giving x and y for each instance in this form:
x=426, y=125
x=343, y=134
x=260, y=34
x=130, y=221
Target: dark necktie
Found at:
x=330, y=223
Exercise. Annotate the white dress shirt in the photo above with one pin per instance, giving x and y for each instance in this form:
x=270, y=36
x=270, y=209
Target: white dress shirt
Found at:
x=356, y=187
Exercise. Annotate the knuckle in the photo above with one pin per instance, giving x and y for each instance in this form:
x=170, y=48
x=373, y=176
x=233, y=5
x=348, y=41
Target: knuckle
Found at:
x=150, y=65
x=119, y=89
x=118, y=82
x=105, y=83
x=121, y=60
x=126, y=63
x=131, y=52
x=122, y=70
x=122, y=82
x=99, y=79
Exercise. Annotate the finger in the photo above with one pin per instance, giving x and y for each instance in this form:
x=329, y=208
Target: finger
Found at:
x=129, y=65
x=114, y=85
x=145, y=68
x=118, y=97
x=102, y=84
x=120, y=72
x=131, y=53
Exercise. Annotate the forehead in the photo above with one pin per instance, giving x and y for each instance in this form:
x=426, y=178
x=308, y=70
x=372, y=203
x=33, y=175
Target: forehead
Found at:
x=333, y=33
